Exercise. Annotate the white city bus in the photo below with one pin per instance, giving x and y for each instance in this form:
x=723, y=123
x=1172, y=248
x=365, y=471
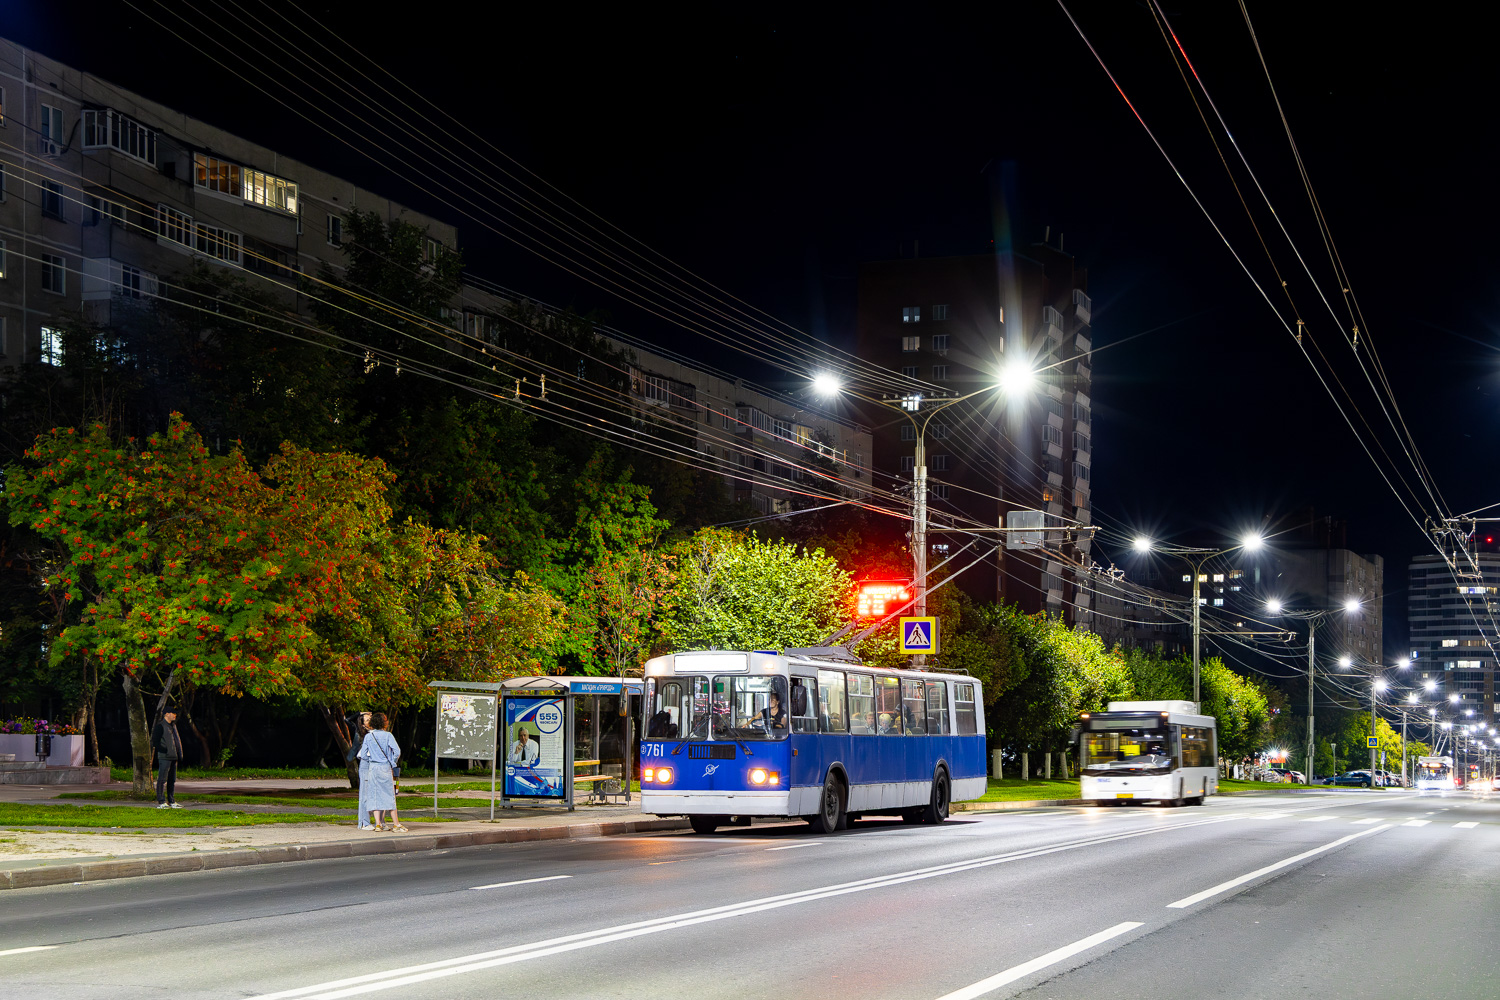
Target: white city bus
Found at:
x=1148, y=751
x=1436, y=773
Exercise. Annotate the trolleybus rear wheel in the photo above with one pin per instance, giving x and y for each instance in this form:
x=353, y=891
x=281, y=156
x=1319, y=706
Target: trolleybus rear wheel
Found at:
x=942, y=794
x=705, y=824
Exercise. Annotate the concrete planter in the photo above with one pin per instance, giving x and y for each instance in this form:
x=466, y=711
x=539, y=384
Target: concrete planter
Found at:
x=67, y=751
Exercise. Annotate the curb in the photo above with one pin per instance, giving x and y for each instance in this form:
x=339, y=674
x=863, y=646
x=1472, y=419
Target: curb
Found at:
x=94, y=871
x=1008, y=806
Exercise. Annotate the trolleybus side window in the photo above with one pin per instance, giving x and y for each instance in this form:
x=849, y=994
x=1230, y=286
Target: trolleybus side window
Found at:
x=862, y=704
x=888, y=706
x=937, y=708
x=1197, y=749
x=913, y=707
x=965, y=720
x=831, y=712
x=804, y=717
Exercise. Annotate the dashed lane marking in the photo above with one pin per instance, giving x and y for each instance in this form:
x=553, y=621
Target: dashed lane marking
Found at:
x=1464, y=826
x=520, y=881
x=23, y=951
x=1416, y=822
x=1015, y=972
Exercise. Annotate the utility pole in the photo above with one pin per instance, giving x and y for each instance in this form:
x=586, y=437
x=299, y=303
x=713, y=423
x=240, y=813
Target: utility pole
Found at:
x=1197, y=700
x=1404, y=753
x=1373, y=738
x=919, y=534
x=1312, y=630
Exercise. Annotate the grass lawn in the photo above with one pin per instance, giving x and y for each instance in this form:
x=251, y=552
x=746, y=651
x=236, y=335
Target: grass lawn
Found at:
x=251, y=773
x=147, y=816
x=1233, y=785
x=346, y=801
x=1024, y=790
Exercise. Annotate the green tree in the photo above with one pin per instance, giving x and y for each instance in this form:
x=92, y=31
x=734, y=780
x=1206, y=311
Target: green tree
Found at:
x=738, y=591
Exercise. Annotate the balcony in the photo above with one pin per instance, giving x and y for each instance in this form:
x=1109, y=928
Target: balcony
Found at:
x=1083, y=343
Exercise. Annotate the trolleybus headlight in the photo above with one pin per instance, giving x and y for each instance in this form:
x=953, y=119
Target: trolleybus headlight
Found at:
x=758, y=776
x=664, y=775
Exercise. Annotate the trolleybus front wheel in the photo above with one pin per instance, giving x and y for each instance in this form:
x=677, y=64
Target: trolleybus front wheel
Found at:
x=830, y=807
x=705, y=824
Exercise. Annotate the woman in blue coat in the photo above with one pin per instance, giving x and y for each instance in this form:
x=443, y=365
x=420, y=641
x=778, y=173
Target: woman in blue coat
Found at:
x=380, y=752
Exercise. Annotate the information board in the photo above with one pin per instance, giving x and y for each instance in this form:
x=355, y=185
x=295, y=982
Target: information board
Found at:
x=535, y=756
x=466, y=725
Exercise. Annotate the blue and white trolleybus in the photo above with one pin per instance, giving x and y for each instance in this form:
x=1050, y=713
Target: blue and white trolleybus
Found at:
x=733, y=735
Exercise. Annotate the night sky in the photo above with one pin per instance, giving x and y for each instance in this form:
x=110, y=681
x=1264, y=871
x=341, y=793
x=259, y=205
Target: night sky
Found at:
x=772, y=150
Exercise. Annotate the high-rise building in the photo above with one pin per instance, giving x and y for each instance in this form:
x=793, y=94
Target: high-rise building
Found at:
x=948, y=326
x=1448, y=616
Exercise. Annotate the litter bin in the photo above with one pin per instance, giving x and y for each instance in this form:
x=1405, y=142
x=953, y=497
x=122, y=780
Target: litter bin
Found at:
x=43, y=746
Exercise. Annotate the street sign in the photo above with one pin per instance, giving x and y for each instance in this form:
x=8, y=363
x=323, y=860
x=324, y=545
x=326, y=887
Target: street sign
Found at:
x=919, y=635
x=1373, y=742
x=877, y=597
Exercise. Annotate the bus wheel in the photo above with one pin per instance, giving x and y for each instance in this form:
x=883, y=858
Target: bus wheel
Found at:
x=830, y=807
x=705, y=824
x=942, y=793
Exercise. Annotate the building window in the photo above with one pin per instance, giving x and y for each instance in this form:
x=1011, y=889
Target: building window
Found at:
x=939, y=312
x=1080, y=472
x=909, y=344
x=101, y=209
x=1218, y=602
x=940, y=342
x=220, y=244
x=335, y=230
x=2, y=181
x=908, y=432
x=940, y=490
x=52, y=346
x=52, y=200
x=431, y=250
x=103, y=128
x=174, y=226
x=1187, y=578
x=54, y=274
x=940, y=431
x=940, y=373
x=252, y=186
x=1080, y=413
x=1080, y=441
x=1218, y=578
x=940, y=463
x=51, y=131
x=911, y=314
x=130, y=282
x=1449, y=642
x=1052, y=434
x=908, y=463
x=2, y=260
x=910, y=371
x=2, y=107
x=654, y=389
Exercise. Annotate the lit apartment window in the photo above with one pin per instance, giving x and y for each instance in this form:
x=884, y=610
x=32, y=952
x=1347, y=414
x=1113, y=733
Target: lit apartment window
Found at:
x=1218, y=602
x=54, y=274
x=940, y=463
x=908, y=432
x=939, y=373
x=252, y=186
x=908, y=462
x=910, y=371
x=911, y=314
x=1449, y=642
x=52, y=346
x=102, y=210
x=909, y=344
x=103, y=128
x=52, y=200
x=940, y=343
x=939, y=312
x=51, y=130
x=1187, y=578
x=1202, y=577
x=939, y=431
x=1236, y=574
x=174, y=226
x=335, y=230
x=1218, y=578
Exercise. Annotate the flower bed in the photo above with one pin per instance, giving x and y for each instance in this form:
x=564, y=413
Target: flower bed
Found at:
x=18, y=737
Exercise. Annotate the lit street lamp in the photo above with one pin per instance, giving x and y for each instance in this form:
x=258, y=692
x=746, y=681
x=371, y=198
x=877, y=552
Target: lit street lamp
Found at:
x=1275, y=607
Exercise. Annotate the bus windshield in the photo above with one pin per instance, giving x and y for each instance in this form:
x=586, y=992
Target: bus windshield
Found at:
x=750, y=708
x=1127, y=750
x=1432, y=770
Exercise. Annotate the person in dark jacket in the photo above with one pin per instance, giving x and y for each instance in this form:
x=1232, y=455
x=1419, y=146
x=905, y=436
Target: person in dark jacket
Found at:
x=168, y=746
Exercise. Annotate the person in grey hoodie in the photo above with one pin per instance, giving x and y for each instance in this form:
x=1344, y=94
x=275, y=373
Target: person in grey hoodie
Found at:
x=168, y=746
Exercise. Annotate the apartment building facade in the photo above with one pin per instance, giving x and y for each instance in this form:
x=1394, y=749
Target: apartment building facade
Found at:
x=1448, y=617
x=949, y=326
x=105, y=194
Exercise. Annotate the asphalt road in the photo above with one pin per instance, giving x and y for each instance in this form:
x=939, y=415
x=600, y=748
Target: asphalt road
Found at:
x=1351, y=894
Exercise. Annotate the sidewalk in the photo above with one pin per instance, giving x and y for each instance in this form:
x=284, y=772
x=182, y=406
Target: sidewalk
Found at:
x=39, y=856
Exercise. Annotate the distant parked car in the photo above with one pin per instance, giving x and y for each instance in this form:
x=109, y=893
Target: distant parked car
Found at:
x=1354, y=779
x=1389, y=779
x=1287, y=774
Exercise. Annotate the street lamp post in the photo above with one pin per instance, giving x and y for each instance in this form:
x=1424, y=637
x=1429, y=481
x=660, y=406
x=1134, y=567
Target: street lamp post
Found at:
x=1312, y=618
x=1187, y=554
x=1375, y=688
x=1015, y=379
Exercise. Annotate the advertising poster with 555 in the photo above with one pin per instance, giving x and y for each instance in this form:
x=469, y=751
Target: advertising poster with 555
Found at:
x=534, y=753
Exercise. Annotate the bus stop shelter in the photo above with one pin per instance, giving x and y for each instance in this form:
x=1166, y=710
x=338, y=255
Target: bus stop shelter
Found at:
x=543, y=736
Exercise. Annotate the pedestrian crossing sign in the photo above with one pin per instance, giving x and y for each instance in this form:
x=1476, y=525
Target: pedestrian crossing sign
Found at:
x=919, y=635
x=1373, y=742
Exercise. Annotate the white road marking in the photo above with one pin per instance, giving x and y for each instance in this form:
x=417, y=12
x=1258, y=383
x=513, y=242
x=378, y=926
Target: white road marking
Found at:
x=1198, y=897
x=1464, y=826
x=1318, y=819
x=1416, y=822
x=793, y=847
x=1010, y=975
x=523, y=881
x=1269, y=816
x=408, y=975
x=22, y=951
x=1362, y=822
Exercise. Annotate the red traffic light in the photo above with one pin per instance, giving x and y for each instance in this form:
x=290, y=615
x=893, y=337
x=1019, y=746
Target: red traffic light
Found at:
x=875, y=598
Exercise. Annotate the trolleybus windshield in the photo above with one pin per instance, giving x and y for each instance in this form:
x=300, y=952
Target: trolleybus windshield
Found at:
x=750, y=707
